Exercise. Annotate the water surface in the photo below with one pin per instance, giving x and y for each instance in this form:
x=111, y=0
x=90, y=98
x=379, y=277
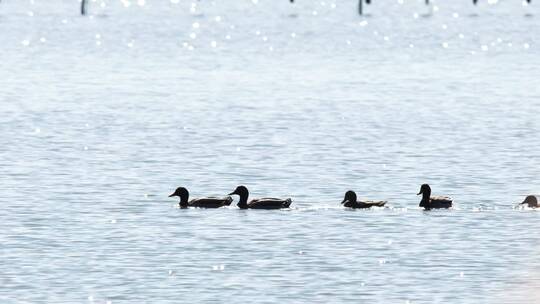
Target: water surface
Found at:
x=103, y=116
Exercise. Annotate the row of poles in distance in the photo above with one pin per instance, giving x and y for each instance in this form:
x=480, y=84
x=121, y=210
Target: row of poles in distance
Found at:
x=360, y=8
x=84, y=5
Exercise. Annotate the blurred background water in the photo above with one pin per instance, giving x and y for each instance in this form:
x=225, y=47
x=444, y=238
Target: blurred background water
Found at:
x=103, y=116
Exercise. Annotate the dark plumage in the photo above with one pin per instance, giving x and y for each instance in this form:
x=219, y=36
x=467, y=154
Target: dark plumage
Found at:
x=350, y=201
x=260, y=203
x=203, y=202
x=433, y=202
x=531, y=201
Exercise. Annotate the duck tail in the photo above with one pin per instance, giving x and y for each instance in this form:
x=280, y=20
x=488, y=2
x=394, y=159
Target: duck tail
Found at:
x=287, y=203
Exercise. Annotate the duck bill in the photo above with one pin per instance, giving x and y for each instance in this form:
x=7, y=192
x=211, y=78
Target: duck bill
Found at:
x=343, y=201
x=172, y=195
x=232, y=193
x=420, y=192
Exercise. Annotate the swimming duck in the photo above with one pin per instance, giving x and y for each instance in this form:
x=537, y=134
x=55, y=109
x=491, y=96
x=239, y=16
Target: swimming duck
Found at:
x=531, y=201
x=435, y=202
x=203, y=202
x=351, y=202
x=260, y=203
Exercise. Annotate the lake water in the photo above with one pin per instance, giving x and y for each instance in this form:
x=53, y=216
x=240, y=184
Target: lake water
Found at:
x=103, y=116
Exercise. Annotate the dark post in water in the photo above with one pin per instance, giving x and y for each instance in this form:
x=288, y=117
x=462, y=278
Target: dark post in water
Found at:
x=360, y=5
x=84, y=3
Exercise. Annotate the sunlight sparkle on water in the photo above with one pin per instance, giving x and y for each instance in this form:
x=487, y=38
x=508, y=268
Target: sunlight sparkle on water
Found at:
x=149, y=136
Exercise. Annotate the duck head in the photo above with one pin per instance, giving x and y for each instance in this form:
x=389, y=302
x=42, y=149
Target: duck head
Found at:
x=350, y=196
x=425, y=189
x=531, y=201
x=183, y=194
x=243, y=192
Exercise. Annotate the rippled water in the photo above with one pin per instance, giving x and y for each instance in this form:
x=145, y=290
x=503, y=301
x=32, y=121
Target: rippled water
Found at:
x=103, y=116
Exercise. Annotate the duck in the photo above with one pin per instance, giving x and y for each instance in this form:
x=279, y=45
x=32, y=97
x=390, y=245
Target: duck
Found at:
x=433, y=202
x=350, y=201
x=203, y=202
x=531, y=201
x=259, y=203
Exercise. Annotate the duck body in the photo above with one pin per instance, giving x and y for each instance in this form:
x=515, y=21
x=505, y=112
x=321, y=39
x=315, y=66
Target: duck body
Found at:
x=268, y=203
x=530, y=201
x=260, y=203
x=203, y=202
x=437, y=202
x=364, y=204
x=429, y=202
x=210, y=202
x=351, y=201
